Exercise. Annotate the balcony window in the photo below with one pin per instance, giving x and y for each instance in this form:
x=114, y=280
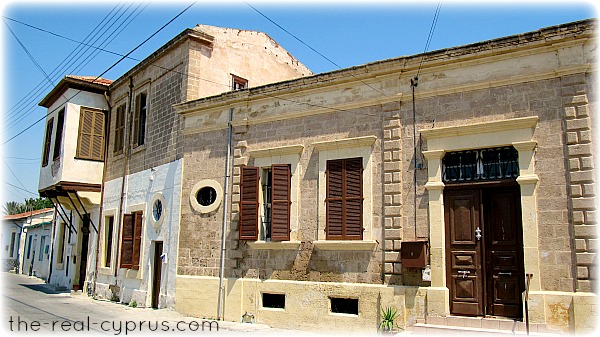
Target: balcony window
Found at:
x=59, y=134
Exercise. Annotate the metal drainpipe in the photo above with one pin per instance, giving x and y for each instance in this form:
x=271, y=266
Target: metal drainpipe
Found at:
x=100, y=217
x=220, y=314
x=52, y=238
x=125, y=165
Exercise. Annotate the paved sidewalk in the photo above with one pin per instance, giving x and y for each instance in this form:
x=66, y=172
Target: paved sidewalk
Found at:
x=149, y=314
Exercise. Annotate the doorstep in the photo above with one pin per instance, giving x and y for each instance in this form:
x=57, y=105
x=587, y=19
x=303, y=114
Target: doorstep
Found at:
x=478, y=326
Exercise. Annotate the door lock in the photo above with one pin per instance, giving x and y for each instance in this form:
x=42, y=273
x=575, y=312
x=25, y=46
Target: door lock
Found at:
x=478, y=233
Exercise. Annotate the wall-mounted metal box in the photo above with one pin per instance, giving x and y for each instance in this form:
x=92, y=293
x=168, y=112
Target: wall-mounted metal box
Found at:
x=413, y=254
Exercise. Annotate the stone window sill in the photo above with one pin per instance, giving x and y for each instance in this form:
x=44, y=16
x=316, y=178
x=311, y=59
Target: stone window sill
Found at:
x=290, y=245
x=104, y=271
x=366, y=245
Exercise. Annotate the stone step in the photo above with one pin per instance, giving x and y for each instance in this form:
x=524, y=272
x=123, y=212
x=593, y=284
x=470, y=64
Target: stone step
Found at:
x=478, y=326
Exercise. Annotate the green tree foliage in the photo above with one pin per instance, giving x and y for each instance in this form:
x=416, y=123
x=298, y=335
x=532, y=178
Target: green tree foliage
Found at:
x=13, y=207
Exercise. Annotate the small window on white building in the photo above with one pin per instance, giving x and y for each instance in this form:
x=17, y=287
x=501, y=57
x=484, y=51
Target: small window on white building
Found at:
x=239, y=83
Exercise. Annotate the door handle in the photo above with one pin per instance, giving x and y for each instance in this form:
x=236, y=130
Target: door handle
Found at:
x=507, y=273
x=464, y=273
x=478, y=233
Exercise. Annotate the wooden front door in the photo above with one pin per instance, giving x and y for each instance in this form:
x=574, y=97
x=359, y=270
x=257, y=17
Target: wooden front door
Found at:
x=484, y=247
x=156, y=277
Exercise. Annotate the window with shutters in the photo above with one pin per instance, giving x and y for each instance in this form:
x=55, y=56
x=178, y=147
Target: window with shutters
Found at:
x=90, y=144
x=47, y=141
x=265, y=203
x=119, y=130
x=131, y=240
x=59, y=134
x=344, y=200
x=139, y=119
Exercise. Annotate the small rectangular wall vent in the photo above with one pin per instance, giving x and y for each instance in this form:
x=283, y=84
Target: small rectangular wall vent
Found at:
x=275, y=301
x=344, y=305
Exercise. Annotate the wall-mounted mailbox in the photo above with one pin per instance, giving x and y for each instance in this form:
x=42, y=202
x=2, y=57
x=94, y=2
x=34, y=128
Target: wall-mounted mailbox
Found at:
x=413, y=254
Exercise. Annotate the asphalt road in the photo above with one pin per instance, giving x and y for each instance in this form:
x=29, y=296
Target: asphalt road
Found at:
x=30, y=306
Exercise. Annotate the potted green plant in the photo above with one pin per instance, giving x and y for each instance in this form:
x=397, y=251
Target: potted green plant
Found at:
x=387, y=324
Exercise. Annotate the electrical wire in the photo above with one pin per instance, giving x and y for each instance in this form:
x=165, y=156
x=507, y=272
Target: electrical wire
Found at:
x=311, y=48
x=431, y=30
x=104, y=72
x=35, y=92
x=21, y=189
x=84, y=51
x=199, y=78
x=14, y=175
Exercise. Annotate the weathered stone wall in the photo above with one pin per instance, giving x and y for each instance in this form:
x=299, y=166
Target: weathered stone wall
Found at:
x=543, y=75
x=162, y=81
x=188, y=70
x=539, y=98
x=205, y=160
x=580, y=154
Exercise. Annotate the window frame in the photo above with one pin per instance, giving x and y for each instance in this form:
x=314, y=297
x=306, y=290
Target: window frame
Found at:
x=339, y=149
x=136, y=220
x=238, y=83
x=61, y=243
x=60, y=126
x=108, y=240
x=47, y=142
x=345, y=197
x=97, y=137
x=13, y=241
x=139, y=119
x=253, y=203
x=119, y=134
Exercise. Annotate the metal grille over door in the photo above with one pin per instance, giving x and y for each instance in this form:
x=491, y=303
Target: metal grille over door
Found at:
x=481, y=165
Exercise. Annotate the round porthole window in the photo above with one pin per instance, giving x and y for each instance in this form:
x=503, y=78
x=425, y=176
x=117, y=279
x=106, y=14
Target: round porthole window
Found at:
x=206, y=196
x=157, y=209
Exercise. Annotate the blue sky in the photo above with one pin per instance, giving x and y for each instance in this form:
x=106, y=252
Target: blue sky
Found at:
x=348, y=33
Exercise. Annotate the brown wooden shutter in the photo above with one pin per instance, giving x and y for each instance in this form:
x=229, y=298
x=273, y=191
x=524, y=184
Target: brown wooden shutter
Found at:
x=248, y=227
x=119, y=130
x=280, y=202
x=98, y=136
x=136, y=120
x=137, y=240
x=354, y=199
x=334, y=199
x=85, y=134
x=91, y=134
x=344, y=199
x=46, y=151
x=127, y=241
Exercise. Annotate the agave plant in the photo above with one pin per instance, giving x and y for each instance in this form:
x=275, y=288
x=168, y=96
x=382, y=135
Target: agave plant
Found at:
x=388, y=315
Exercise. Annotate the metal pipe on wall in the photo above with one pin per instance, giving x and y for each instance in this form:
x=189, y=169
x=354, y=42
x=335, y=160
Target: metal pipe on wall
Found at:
x=224, y=227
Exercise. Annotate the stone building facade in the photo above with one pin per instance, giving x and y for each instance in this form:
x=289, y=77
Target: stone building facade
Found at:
x=142, y=180
x=485, y=152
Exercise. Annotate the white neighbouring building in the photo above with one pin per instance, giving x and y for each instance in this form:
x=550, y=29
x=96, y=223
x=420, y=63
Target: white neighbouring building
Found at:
x=71, y=175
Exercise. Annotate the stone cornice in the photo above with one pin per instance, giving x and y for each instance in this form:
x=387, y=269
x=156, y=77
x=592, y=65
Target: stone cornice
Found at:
x=479, y=128
x=345, y=143
x=276, y=151
x=544, y=40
